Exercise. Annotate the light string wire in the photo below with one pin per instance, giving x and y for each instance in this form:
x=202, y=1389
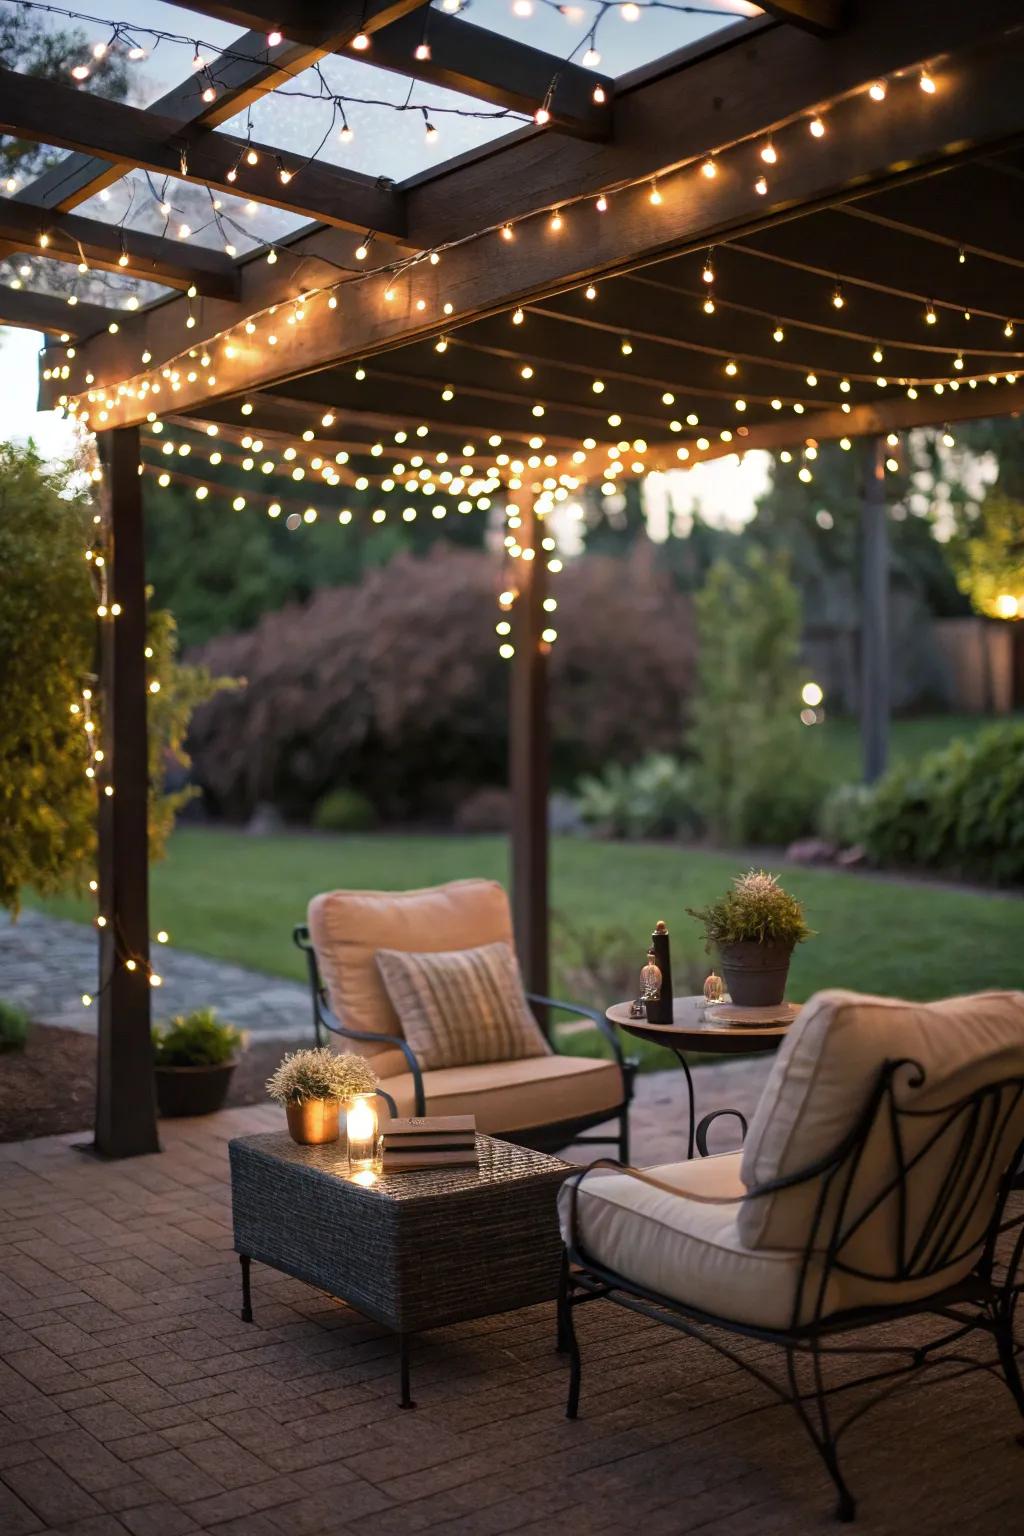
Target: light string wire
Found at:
x=395, y=270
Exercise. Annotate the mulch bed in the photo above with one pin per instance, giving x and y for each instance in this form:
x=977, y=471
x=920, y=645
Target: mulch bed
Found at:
x=49, y=1088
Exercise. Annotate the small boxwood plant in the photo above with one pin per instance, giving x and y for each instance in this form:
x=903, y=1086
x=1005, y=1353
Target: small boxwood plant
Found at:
x=321, y=1074
x=13, y=1026
x=197, y=1039
x=757, y=910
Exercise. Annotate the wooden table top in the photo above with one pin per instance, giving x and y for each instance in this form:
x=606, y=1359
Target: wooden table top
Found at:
x=691, y=1031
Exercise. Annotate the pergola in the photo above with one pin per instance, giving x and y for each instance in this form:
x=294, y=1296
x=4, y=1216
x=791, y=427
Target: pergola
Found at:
x=800, y=229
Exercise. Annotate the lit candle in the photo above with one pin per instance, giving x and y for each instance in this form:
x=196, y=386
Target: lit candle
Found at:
x=362, y=1134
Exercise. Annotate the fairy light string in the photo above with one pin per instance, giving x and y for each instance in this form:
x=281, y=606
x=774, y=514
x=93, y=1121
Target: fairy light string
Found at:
x=84, y=711
x=402, y=270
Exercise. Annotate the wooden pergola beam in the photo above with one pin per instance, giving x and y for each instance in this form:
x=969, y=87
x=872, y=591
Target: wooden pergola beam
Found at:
x=481, y=63
x=73, y=237
x=247, y=70
x=976, y=105
x=823, y=18
x=46, y=312
x=51, y=113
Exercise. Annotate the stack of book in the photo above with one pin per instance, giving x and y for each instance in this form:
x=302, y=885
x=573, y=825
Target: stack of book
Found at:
x=430, y=1141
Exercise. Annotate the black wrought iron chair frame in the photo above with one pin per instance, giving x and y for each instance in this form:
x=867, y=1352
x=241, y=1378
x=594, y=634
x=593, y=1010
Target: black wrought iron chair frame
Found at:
x=542, y=1138
x=983, y=1301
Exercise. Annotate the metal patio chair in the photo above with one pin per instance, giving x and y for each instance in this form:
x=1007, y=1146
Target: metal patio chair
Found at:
x=544, y=1102
x=903, y=1216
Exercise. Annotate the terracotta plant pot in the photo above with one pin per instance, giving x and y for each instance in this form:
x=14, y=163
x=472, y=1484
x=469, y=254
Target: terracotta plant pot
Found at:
x=755, y=974
x=313, y=1121
x=192, y=1090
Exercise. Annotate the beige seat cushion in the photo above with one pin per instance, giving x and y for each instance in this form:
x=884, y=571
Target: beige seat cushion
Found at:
x=819, y=1086
x=693, y=1253
x=347, y=929
x=516, y=1095
x=462, y=1006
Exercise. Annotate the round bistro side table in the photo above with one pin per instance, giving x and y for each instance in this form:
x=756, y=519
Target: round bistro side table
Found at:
x=690, y=1031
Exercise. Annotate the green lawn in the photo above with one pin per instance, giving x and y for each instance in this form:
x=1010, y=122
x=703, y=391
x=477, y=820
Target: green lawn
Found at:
x=909, y=738
x=237, y=897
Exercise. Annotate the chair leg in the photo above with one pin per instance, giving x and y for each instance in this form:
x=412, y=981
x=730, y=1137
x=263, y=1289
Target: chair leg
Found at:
x=562, y=1336
x=624, y=1136
x=567, y=1340
x=820, y=1433
x=1007, y=1347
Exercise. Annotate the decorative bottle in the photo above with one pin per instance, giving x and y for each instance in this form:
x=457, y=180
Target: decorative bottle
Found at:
x=659, y=1009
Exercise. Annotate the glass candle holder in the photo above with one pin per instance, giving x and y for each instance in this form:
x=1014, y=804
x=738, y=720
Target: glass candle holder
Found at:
x=361, y=1126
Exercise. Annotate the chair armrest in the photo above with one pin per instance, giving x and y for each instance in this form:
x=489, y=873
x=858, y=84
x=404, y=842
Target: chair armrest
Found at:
x=701, y=1133
x=587, y=1013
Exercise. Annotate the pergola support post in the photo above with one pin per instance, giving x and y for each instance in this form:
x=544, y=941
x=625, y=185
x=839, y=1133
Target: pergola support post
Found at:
x=528, y=759
x=874, y=613
x=125, y=1102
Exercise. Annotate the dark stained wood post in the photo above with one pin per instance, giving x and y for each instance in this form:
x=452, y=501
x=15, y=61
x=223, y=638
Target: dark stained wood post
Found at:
x=528, y=759
x=125, y=1103
x=874, y=613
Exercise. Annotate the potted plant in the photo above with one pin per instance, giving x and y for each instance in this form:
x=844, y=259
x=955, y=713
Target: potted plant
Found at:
x=755, y=928
x=312, y=1086
x=13, y=1026
x=194, y=1057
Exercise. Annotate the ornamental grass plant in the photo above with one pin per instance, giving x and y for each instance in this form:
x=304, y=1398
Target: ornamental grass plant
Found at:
x=757, y=910
x=320, y=1074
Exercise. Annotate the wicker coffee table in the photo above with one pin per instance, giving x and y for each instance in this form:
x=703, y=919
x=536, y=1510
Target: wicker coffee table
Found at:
x=411, y=1250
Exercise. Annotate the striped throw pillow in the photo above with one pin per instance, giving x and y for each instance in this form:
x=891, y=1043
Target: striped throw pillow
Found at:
x=463, y=1006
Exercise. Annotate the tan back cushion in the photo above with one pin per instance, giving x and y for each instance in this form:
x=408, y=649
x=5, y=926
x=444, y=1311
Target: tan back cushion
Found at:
x=462, y=1006
x=820, y=1085
x=347, y=929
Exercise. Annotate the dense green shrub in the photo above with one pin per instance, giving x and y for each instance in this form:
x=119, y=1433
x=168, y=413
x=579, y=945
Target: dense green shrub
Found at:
x=344, y=810
x=13, y=1026
x=842, y=816
x=960, y=808
x=651, y=798
x=758, y=776
x=198, y=1039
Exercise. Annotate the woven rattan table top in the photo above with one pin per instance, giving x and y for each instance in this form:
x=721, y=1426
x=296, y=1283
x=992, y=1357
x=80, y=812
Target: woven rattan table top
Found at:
x=501, y=1165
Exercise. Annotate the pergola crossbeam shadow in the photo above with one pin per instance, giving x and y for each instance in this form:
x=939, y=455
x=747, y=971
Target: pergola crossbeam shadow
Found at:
x=791, y=258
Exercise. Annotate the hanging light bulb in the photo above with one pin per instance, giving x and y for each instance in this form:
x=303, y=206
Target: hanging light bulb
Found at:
x=778, y=334
x=430, y=133
x=930, y=317
x=708, y=273
x=761, y=186
x=599, y=96
x=654, y=195
x=422, y=52
x=838, y=302
x=768, y=154
x=709, y=168
x=926, y=83
x=629, y=11
x=817, y=127
x=345, y=134
x=274, y=39
x=591, y=59
x=555, y=222
x=877, y=91
x=360, y=42
x=252, y=157
x=709, y=305
x=518, y=317
x=601, y=204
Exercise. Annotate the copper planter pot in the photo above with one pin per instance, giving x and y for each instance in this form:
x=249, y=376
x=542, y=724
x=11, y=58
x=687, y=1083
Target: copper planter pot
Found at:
x=313, y=1121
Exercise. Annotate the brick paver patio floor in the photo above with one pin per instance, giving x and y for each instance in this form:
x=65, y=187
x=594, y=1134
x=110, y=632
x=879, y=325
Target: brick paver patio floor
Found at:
x=135, y=1400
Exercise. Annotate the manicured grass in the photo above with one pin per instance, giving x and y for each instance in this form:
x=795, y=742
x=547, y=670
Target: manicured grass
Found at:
x=237, y=897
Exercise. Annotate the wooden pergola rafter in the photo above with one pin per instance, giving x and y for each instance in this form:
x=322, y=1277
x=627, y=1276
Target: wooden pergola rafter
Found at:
x=830, y=167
